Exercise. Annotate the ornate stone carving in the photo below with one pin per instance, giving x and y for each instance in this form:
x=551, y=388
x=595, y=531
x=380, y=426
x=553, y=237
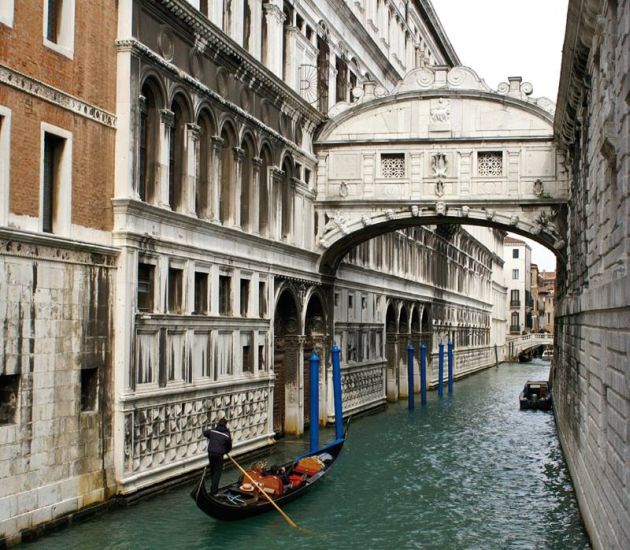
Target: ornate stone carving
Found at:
x=40, y=90
x=442, y=111
x=160, y=435
x=389, y=214
x=439, y=165
x=465, y=211
x=415, y=211
x=343, y=189
x=513, y=220
x=166, y=43
x=366, y=220
x=440, y=208
x=439, y=188
x=539, y=188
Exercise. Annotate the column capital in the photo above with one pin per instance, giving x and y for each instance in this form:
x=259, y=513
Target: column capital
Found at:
x=276, y=173
x=167, y=117
x=194, y=129
x=257, y=163
x=217, y=143
x=142, y=103
x=239, y=153
x=271, y=10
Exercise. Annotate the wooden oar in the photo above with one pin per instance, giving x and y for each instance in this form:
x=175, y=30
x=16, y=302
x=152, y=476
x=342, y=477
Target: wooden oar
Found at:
x=262, y=490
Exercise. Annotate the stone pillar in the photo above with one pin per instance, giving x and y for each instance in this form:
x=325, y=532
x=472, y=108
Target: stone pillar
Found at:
x=215, y=179
x=272, y=54
x=255, y=32
x=191, y=169
x=236, y=30
x=291, y=58
x=235, y=203
x=215, y=12
x=254, y=196
x=332, y=81
x=167, y=121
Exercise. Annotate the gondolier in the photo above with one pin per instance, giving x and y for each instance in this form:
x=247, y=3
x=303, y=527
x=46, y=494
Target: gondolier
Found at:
x=219, y=443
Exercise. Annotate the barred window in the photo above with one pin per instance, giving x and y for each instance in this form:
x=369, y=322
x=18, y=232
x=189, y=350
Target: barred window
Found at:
x=393, y=165
x=490, y=163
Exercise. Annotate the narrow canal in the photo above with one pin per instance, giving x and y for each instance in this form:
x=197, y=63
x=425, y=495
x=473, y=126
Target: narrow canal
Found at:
x=469, y=471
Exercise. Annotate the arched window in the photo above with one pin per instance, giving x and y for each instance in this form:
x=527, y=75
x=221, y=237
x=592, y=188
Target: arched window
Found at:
x=263, y=196
x=246, y=184
x=227, y=175
x=204, y=174
x=176, y=159
x=148, y=143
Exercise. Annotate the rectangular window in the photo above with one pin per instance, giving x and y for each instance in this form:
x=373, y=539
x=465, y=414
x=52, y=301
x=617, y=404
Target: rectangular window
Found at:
x=201, y=293
x=175, y=287
x=6, y=12
x=262, y=356
x=336, y=298
x=59, y=26
x=225, y=295
x=146, y=285
x=247, y=355
x=53, y=152
x=262, y=299
x=515, y=274
x=89, y=389
x=350, y=301
x=9, y=387
x=223, y=354
x=244, y=297
x=490, y=163
x=515, y=253
x=393, y=165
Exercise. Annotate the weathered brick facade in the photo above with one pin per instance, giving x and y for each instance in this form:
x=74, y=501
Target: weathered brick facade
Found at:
x=56, y=286
x=591, y=375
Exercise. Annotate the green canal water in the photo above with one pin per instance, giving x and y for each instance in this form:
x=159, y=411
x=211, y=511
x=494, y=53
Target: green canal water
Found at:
x=469, y=471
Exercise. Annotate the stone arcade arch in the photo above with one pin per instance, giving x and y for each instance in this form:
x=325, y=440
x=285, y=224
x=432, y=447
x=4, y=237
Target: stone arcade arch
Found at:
x=443, y=148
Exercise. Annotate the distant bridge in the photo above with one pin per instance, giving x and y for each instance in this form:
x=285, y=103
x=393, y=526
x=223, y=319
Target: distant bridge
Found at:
x=518, y=344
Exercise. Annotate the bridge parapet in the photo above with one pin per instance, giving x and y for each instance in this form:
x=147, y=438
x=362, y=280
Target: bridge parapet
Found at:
x=517, y=344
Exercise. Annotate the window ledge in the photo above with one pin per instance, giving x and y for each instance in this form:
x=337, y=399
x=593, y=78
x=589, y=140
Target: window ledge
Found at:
x=59, y=48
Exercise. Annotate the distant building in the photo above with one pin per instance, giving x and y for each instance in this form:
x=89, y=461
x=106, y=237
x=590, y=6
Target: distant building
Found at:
x=547, y=299
x=518, y=258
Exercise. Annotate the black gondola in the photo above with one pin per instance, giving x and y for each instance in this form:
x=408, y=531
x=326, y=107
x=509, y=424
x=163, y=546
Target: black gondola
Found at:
x=232, y=503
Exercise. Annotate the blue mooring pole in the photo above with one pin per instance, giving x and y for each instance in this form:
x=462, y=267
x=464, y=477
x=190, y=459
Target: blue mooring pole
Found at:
x=450, y=366
x=441, y=370
x=314, y=396
x=336, y=361
x=423, y=374
x=410, y=375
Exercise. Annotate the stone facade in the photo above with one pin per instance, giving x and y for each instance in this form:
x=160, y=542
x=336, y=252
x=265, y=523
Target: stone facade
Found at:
x=518, y=261
x=591, y=374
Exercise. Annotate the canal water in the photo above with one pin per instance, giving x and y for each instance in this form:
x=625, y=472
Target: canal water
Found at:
x=469, y=471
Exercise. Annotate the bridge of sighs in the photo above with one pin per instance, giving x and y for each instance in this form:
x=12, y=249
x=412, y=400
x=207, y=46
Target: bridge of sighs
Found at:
x=441, y=148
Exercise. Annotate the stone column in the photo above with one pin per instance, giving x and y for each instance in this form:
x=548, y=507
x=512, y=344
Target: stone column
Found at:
x=191, y=169
x=215, y=179
x=235, y=203
x=215, y=12
x=291, y=58
x=167, y=121
x=255, y=32
x=332, y=81
x=254, y=196
x=272, y=54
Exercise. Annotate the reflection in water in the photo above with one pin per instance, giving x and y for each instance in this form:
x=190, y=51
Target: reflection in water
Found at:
x=470, y=471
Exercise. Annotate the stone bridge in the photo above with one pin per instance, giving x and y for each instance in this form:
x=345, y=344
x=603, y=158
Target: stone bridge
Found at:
x=441, y=148
x=518, y=344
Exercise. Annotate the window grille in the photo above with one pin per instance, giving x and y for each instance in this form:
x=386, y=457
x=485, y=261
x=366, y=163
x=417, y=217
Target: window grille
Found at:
x=393, y=165
x=490, y=163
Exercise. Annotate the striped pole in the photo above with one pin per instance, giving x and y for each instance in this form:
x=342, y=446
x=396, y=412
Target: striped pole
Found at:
x=314, y=396
x=410, y=375
x=336, y=361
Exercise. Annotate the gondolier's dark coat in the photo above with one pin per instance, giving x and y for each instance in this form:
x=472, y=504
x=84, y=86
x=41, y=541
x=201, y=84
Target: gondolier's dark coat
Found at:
x=219, y=440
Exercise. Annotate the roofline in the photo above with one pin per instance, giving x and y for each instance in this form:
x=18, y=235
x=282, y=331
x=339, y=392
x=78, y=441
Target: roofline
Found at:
x=426, y=9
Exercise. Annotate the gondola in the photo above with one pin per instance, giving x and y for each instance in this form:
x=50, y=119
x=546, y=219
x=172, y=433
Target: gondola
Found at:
x=232, y=502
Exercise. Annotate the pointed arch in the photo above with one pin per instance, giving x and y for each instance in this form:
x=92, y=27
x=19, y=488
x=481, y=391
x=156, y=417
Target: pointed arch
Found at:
x=151, y=102
x=228, y=172
x=264, y=212
x=247, y=181
x=177, y=151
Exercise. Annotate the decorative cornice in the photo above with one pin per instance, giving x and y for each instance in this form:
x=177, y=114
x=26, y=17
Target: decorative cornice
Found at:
x=140, y=50
x=233, y=55
x=580, y=30
x=43, y=91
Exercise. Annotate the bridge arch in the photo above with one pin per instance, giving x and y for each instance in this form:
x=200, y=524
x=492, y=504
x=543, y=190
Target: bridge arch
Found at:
x=443, y=148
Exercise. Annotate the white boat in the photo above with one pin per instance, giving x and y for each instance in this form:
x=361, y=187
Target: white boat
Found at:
x=547, y=355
